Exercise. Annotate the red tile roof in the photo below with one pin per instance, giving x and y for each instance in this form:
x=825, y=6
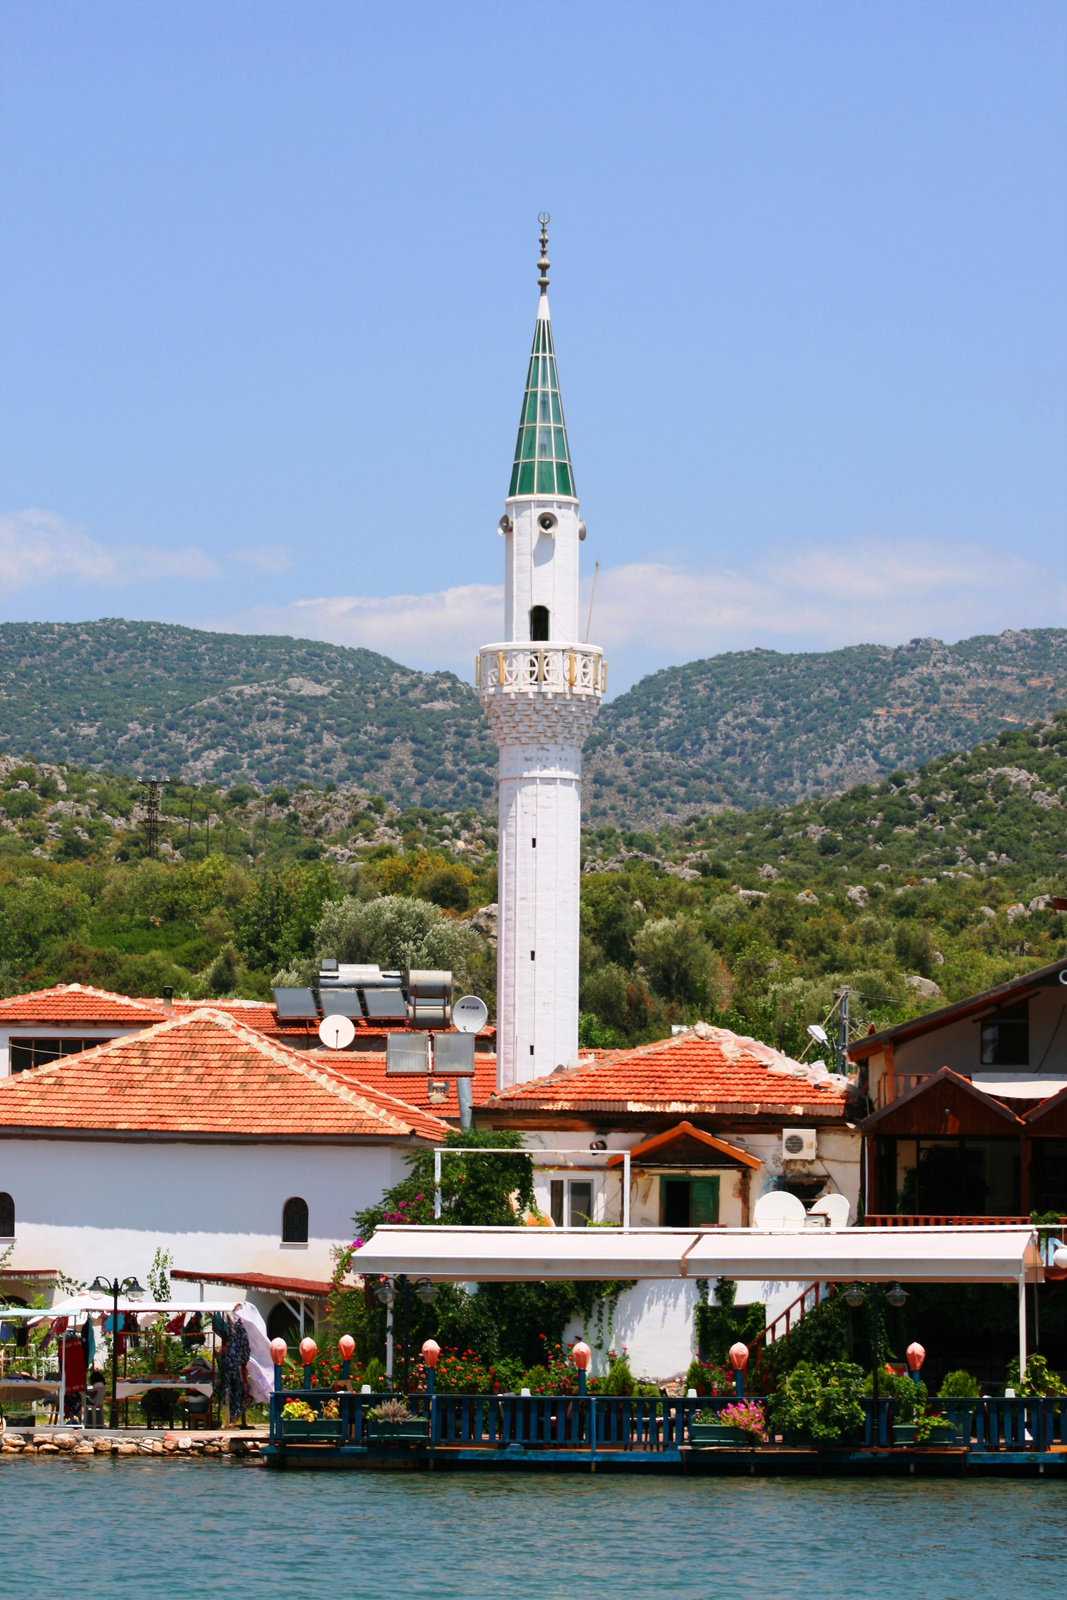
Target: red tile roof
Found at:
x=369, y=1068
x=204, y=1073
x=74, y=1004
x=313, y=1287
x=706, y=1070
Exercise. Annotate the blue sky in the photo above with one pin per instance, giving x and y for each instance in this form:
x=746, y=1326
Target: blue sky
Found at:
x=268, y=287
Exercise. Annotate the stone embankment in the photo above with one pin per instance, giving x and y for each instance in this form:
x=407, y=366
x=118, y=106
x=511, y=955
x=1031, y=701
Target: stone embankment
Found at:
x=97, y=1445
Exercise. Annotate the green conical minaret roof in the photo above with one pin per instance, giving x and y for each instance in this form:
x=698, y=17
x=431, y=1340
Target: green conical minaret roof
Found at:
x=542, y=455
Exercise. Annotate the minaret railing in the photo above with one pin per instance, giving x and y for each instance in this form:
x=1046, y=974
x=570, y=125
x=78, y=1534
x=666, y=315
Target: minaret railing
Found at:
x=559, y=669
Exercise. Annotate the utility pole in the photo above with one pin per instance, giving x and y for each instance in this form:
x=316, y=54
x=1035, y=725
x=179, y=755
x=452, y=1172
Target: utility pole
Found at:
x=152, y=820
x=189, y=830
x=842, y=1032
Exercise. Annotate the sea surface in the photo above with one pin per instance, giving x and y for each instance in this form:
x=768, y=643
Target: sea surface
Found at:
x=156, y=1528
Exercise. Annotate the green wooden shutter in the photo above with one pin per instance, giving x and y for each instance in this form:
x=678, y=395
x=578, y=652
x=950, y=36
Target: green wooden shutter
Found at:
x=704, y=1201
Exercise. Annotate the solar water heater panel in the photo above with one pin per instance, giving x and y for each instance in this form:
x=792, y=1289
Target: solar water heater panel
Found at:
x=385, y=1005
x=341, y=1003
x=296, y=1005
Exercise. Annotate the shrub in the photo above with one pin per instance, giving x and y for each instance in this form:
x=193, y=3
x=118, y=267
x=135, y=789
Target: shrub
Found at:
x=819, y=1403
x=707, y=1378
x=959, y=1385
x=619, y=1380
x=908, y=1397
x=1038, y=1380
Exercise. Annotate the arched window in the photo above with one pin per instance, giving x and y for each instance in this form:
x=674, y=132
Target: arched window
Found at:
x=295, y=1221
x=282, y=1324
x=538, y=622
x=7, y=1217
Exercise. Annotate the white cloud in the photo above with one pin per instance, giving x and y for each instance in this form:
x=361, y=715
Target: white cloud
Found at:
x=871, y=590
x=270, y=558
x=650, y=614
x=39, y=547
x=646, y=615
x=443, y=629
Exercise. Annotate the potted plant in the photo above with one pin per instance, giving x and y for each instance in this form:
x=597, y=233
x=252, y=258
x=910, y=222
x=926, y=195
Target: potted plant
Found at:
x=742, y=1423
x=927, y=1429
x=301, y=1421
x=964, y=1391
x=392, y=1419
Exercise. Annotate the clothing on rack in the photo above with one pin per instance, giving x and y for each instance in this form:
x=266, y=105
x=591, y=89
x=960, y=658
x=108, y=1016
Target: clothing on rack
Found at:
x=234, y=1360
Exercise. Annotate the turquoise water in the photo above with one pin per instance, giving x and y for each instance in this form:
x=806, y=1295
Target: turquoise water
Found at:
x=145, y=1529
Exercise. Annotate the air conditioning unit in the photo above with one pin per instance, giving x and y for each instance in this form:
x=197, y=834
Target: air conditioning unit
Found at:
x=799, y=1144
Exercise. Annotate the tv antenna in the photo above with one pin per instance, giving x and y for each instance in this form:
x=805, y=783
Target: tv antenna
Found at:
x=592, y=597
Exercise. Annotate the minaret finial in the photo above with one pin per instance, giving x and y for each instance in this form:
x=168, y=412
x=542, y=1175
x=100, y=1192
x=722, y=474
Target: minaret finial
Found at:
x=543, y=265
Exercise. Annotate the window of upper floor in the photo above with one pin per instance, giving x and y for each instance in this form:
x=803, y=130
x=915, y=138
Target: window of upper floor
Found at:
x=295, y=1221
x=1006, y=1038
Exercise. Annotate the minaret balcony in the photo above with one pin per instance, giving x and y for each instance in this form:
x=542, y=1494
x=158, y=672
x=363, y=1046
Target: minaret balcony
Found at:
x=577, y=671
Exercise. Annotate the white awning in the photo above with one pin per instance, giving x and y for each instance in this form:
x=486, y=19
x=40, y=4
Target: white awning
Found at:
x=902, y=1255
x=95, y=1305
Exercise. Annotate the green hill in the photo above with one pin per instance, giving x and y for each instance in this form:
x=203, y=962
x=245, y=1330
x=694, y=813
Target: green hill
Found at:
x=921, y=889
x=757, y=727
x=154, y=700
x=151, y=699
x=933, y=883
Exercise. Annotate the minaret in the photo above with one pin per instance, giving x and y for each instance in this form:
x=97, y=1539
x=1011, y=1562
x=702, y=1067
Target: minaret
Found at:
x=540, y=688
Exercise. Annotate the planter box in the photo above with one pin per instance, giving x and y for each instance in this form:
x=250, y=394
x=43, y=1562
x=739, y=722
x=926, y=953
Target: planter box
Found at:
x=328, y=1430
x=717, y=1433
x=398, y=1432
x=904, y=1433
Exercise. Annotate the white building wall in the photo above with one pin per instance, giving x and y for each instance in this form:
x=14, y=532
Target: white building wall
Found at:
x=105, y=1206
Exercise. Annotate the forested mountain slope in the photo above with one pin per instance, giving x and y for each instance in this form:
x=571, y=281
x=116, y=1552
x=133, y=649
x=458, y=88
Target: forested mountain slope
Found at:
x=934, y=883
x=151, y=699
x=155, y=700
x=758, y=727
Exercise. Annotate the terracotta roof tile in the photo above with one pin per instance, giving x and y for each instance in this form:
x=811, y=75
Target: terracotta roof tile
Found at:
x=69, y=1004
x=369, y=1067
x=702, y=1070
x=204, y=1073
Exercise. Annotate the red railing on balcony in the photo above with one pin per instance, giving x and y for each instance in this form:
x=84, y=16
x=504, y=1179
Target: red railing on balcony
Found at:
x=781, y=1326
x=884, y=1219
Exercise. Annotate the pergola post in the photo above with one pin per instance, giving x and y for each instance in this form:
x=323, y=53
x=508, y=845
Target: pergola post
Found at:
x=1022, y=1326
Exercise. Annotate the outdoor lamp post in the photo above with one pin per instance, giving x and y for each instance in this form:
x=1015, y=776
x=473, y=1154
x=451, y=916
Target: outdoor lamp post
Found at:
x=738, y=1355
x=431, y=1355
x=915, y=1355
x=896, y=1297
x=278, y=1352
x=114, y=1287
x=308, y=1351
x=386, y=1293
x=581, y=1355
x=346, y=1347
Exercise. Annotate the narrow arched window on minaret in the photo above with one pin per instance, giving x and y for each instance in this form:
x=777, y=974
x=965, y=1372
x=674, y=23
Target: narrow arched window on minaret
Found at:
x=541, y=687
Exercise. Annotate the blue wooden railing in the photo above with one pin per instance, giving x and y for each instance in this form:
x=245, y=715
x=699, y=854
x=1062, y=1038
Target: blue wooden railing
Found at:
x=654, y=1424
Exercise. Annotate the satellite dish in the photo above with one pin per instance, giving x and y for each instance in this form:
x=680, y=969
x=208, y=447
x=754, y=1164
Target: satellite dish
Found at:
x=779, y=1212
x=470, y=1014
x=818, y=1033
x=337, y=1033
x=835, y=1207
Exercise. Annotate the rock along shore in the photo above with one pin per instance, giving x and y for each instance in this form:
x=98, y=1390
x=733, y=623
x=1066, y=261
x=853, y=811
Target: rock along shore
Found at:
x=97, y=1444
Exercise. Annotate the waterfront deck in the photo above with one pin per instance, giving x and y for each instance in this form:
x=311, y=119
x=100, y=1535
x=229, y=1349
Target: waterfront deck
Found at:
x=615, y=1434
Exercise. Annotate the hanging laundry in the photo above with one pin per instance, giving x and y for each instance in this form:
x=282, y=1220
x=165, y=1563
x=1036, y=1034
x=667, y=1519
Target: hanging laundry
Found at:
x=234, y=1361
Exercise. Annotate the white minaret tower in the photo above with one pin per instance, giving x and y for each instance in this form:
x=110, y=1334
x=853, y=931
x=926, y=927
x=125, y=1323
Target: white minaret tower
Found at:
x=540, y=688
